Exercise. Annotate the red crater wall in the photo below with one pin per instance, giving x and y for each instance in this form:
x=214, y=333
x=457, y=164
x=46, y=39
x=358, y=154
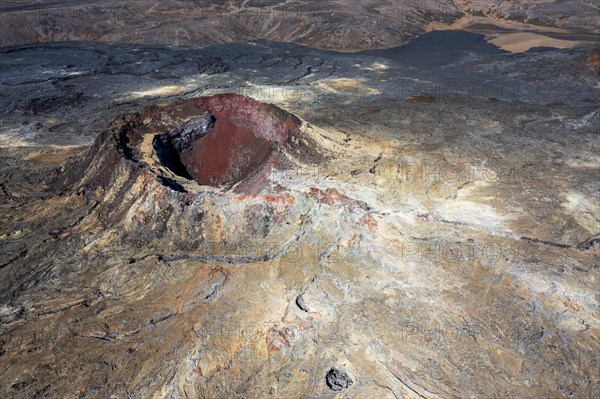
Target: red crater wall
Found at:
x=239, y=141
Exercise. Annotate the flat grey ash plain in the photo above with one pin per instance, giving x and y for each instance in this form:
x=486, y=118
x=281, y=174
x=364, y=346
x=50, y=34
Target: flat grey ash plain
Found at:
x=358, y=200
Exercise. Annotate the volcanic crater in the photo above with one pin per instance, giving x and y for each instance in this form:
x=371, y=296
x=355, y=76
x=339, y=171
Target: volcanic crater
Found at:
x=163, y=168
x=226, y=141
x=231, y=138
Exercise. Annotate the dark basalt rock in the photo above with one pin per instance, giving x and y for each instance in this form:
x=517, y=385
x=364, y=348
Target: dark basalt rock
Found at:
x=169, y=156
x=301, y=304
x=191, y=131
x=338, y=380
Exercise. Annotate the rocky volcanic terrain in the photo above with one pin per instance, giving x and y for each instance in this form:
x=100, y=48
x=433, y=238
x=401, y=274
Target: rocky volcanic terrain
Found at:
x=265, y=220
x=327, y=24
